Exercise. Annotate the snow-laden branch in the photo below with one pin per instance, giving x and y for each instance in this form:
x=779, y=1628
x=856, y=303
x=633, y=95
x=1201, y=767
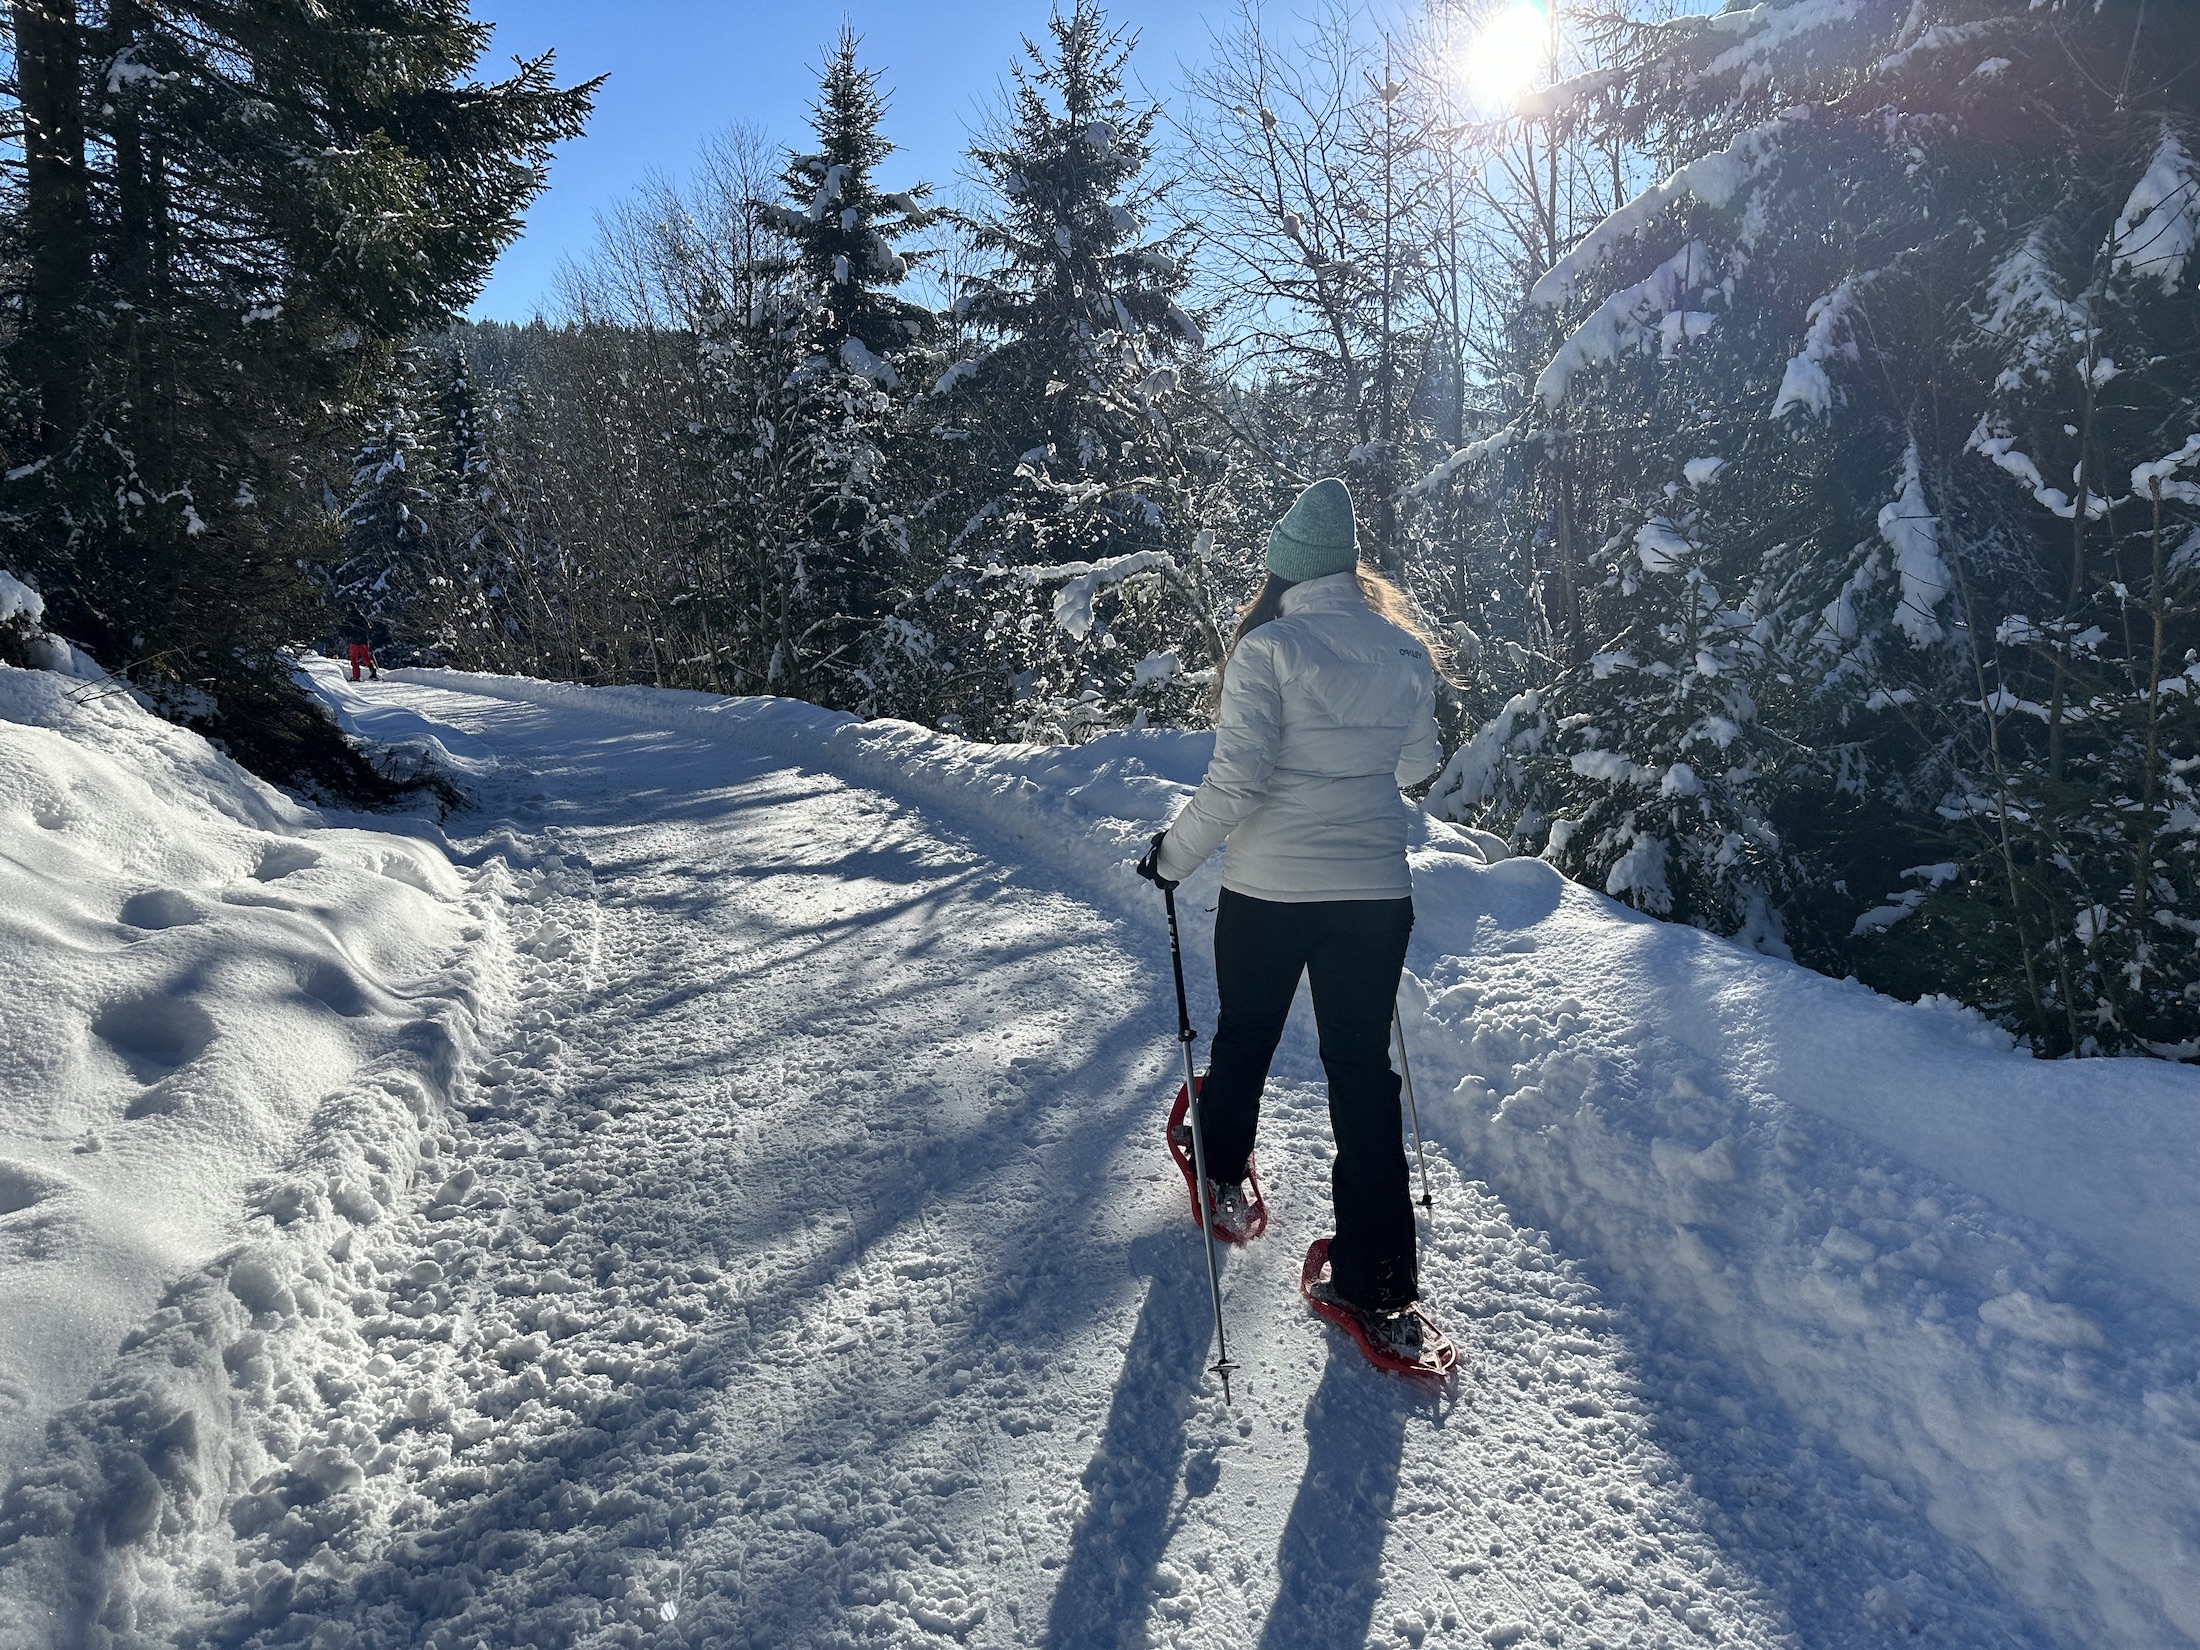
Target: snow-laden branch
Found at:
x=1568, y=95
x=1714, y=179
x=1469, y=779
x=1912, y=532
x=2160, y=224
x=856, y=356
x=1186, y=328
x=2027, y=309
x=1939, y=37
x=1473, y=452
x=2146, y=477
x=19, y=599
x=828, y=192
x=1623, y=322
x=1805, y=383
x=2002, y=451
x=956, y=372
x=1768, y=28
x=1662, y=546
x=1081, y=581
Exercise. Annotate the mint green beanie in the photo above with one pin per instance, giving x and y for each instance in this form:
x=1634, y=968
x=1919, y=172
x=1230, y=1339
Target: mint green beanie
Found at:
x=1315, y=537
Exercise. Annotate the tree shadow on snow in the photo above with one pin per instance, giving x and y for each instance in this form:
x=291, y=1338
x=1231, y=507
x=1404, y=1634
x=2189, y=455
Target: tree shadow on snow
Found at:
x=1330, y=1562
x=1846, y=1559
x=1106, y=1587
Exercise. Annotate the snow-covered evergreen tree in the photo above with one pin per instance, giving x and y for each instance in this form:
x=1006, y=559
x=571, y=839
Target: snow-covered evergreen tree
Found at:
x=850, y=238
x=1872, y=405
x=223, y=223
x=425, y=566
x=1063, y=417
x=386, y=514
x=809, y=371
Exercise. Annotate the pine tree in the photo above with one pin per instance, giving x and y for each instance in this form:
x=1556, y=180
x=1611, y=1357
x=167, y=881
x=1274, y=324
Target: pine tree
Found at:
x=1072, y=394
x=807, y=369
x=849, y=237
x=393, y=499
x=424, y=517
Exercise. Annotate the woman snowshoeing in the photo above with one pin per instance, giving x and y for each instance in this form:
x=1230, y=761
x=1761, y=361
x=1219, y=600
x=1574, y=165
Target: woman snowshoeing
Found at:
x=1327, y=709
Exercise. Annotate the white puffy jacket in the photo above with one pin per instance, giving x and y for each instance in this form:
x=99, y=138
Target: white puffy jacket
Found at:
x=1326, y=712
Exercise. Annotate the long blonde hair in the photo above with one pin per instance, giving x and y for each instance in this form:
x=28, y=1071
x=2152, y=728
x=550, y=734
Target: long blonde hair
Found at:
x=1390, y=602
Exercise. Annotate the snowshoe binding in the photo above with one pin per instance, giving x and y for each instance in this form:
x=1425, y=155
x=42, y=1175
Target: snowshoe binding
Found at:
x=1239, y=1212
x=1405, y=1341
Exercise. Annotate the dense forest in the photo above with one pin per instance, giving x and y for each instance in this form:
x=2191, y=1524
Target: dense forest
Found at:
x=1788, y=417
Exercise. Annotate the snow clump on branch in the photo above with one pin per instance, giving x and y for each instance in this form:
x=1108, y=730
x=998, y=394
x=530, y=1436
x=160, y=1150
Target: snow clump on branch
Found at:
x=1081, y=581
x=856, y=356
x=18, y=599
x=2160, y=224
x=1488, y=446
x=1912, y=533
x=1624, y=321
x=1805, y=383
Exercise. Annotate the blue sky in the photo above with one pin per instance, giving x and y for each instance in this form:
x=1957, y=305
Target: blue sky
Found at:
x=683, y=69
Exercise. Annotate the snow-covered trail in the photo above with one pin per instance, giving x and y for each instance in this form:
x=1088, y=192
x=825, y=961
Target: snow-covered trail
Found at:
x=814, y=1276
x=805, y=1269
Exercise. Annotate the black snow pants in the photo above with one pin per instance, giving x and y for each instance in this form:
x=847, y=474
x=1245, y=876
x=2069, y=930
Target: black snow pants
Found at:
x=1352, y=952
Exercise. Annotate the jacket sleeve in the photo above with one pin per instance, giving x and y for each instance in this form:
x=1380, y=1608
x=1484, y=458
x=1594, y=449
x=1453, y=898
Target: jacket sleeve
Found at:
x=1248, y=736
x=1423, y=752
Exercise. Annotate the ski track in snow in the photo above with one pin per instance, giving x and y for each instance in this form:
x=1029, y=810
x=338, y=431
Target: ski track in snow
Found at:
x=806, y=1269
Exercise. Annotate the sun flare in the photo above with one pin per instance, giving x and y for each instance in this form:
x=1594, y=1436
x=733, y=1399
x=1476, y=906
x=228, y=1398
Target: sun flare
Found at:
x=1507, y=56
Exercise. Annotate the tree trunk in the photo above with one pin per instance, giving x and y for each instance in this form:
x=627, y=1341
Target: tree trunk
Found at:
x=57, y=218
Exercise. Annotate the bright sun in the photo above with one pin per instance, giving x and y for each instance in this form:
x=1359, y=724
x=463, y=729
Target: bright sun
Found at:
x=1507, y=57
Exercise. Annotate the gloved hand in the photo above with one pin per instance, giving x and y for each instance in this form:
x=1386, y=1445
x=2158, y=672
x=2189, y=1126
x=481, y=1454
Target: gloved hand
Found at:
x=1150, y=866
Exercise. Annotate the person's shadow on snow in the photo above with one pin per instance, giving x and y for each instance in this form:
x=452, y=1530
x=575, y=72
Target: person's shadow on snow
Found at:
x=1330, y=1562
x=1106, y=1589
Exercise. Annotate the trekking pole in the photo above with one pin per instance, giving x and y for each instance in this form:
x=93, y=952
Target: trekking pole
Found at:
x=1222, y=1365
x=1405, y=1068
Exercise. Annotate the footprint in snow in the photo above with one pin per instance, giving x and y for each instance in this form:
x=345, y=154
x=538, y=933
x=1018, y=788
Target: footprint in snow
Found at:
x=154, y=1036
x=159, y=908
x=23, y=1186
x=284, y=858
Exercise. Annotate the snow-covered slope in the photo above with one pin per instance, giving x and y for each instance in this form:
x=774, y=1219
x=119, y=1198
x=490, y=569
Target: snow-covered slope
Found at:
x=200, y=982
x=793, y=1261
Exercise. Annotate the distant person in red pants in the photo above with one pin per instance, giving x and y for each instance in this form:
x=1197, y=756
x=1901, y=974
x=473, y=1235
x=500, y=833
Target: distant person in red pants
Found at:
x=359, y=646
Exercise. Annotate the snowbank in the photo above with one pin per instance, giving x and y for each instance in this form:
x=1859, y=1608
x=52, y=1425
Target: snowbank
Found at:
x=1970, y=1268
x=19, y=601
x=224, y=1026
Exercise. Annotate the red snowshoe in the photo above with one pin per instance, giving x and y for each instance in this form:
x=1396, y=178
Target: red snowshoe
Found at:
x=1232, y=1226
x=1410, y=1344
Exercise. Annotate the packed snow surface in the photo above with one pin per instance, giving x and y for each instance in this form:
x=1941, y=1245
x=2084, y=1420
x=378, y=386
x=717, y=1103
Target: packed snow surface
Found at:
x=728, y=1208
